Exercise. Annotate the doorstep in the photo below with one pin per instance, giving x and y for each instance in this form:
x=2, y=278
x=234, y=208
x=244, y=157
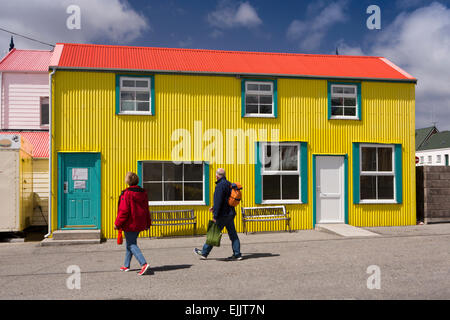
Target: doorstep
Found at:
x=345, y=230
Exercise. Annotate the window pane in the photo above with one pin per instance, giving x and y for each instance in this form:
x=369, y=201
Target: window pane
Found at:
x=350, y=102
x=368, y=185
x=44, y=111
x=152, y=171
x=271, y=188
x=154, y=191
x=349, y=90
x=173, y=191
x=349, y=111
x=251, y=108
x=142, y=83
x=290, y=187
x=127, y=95
x=337, y=102
x=385, y=159
x=386, y=187
x=193, y=191
x=128, y=83
x=265, y=99
x=142, y=96
x=265, y=109
x=193, y=172
x=369, y=159
x=143, y=106
x=272, y=158
x=265, y=87
x=337, y=111
x=127, y=106
x=173, y=172
x=252, y=86
x=337, y=89
x=289, y=158
x=251, y=99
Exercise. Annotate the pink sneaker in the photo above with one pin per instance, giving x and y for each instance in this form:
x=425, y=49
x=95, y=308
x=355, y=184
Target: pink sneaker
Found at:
x=144, y=269
x=124, y=269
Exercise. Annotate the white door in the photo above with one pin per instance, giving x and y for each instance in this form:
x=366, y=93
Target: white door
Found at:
x=330, y=189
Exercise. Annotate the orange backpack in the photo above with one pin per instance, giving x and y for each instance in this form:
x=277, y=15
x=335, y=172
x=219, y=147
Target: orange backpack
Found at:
x=236, y=194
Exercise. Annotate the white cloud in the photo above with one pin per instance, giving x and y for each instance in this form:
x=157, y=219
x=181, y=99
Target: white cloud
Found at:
x=101, y=21
x=310, y=32
x=228, y=15
x=419, y=42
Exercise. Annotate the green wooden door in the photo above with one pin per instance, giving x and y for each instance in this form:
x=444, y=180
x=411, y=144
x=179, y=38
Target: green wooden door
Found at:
x=79, y=190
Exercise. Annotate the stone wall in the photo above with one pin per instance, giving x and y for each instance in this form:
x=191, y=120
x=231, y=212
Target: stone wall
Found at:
x=433, y=193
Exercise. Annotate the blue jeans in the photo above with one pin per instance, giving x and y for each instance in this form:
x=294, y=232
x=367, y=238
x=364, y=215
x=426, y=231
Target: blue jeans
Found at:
x=133, y=249
x=227, y=222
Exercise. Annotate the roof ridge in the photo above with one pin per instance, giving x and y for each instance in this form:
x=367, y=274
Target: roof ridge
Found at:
x=223, y=51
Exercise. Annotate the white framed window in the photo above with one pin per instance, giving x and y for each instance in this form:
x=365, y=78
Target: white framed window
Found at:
x=135, y=95
x=438, y=158
x=44, y=109
x=280, y=172
x=344, y=101
x=259, y=99
x=422, y=160
x=377, y=174
x=168, y=183
x=429, y=159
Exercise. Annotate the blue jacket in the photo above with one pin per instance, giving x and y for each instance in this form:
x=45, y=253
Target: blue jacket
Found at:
x=221, y=195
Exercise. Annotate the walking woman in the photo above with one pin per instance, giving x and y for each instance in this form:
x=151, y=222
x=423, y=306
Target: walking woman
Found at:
x=133, y=217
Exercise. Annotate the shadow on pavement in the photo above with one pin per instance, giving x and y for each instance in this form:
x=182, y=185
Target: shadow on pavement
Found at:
x=250, y=256
x=166, y=268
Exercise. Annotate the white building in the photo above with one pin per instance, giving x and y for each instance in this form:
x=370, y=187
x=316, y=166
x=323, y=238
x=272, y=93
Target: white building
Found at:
x=432, y=147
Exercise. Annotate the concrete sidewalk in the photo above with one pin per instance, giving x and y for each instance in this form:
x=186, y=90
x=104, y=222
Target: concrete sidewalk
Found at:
x=414, y=263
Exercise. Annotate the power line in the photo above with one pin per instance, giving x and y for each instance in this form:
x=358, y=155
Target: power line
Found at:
x=20, y=35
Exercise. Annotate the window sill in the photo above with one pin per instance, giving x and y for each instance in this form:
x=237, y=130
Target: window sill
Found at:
x=259, y=116
x=343, y=118
x=177, y=203
x=281, y=202
x=136, y=113
x=378, y=202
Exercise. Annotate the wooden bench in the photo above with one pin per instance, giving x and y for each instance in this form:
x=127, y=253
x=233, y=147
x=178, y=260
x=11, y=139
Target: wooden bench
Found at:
x=275, y=213
x=174, y=218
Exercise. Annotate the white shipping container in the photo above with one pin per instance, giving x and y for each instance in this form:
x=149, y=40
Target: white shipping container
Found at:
x=16, y=183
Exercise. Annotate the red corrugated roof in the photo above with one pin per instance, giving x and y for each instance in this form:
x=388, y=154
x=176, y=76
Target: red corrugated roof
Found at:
x=38, y=139
x=26, y=61
x=88, y=56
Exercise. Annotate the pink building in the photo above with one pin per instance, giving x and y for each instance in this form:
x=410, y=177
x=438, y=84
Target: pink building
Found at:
x=24, y=110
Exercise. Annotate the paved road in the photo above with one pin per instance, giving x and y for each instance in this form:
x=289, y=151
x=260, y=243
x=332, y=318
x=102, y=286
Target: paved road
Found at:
x=414, y=263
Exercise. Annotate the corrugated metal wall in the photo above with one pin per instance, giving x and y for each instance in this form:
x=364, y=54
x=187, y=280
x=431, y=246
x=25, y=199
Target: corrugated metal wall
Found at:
x=85, y=120
x=40, y=191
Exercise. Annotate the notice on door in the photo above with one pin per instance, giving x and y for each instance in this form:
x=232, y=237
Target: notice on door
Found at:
x=79, y=184
x=80, y=174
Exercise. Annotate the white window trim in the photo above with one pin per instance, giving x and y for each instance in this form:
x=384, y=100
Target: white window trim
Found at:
x=346, y=95
x=146, y=89
x=269, y=172
x=261, y=93
x=177, y=202
x=381, y=173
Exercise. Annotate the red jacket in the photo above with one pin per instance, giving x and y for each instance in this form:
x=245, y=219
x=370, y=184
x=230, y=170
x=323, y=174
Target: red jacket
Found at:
x=133, y=214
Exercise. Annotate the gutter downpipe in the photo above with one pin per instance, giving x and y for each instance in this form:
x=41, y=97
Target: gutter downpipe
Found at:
x=50, y=105
x=1, y=100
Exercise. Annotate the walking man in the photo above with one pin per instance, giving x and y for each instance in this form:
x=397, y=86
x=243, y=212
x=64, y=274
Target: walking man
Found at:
x=223, y=216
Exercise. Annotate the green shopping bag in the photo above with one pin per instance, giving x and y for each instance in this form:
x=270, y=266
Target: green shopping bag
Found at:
x=213, y=234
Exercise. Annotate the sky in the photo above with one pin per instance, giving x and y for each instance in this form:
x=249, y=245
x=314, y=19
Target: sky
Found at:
x=414, y=34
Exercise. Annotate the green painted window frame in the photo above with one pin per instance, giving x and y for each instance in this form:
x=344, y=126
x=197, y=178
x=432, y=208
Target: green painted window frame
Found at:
x=152, y=94
x=206, y=186
x=303, y=169
x=398, y=173
x=358, y=116
x=274, y=114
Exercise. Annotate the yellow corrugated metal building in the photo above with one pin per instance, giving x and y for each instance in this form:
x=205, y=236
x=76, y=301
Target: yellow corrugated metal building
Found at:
x=345, y=152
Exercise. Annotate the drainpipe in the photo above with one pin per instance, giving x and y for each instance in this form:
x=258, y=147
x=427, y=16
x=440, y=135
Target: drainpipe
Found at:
x=50, y=104
x=1, y=104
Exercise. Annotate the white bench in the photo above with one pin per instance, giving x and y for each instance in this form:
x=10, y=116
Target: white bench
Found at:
x=274, y=213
